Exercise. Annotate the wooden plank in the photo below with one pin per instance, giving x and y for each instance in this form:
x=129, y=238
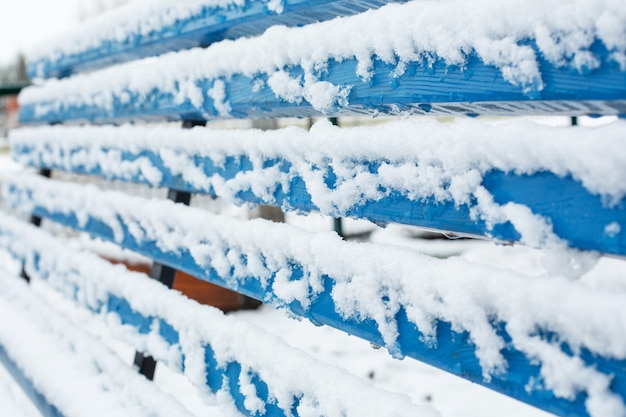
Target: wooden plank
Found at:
x=44, y=345
x=357, y=66
x=147, y=34
x=425, y=88
x=307, y=171
x=217, y=353
x=271, y=262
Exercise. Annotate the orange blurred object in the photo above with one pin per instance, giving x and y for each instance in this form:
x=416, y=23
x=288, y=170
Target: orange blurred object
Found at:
x=202, y=291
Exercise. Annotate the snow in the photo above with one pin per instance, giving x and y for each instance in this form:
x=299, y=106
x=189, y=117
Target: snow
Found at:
x=467, y=295
x=45, y=346
x=419, y=159
x=563, y=31
x=141, y=18
x=12, y=404
x=288, y=373
x=451, y=395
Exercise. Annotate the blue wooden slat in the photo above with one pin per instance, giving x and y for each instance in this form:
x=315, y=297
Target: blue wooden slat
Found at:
x=578, y=216
x=425, y=88
x=210, y=24
x=39, y=401
x=43, y=265
x=453, y=351
x=215, y=373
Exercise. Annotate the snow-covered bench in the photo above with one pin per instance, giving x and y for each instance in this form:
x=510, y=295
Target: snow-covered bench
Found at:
x=551, y=341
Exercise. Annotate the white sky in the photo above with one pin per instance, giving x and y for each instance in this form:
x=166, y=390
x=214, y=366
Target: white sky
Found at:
x=23, y=23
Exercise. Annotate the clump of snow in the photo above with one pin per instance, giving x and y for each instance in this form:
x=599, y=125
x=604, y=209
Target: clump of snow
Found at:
x=496, y=32
x=569, y=263
x=612, y=229
x=218, y=94
x=276, y=5
x=322, y=95
x=472, y=298
x=417, y=159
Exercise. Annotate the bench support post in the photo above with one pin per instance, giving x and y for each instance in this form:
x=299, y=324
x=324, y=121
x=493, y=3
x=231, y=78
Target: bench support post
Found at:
x=337, y=221
x=44, y=172
x=36, y=220
x=163, y=273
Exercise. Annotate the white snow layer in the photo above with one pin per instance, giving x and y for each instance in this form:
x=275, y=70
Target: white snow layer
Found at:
x=469, y=296
x=418, y=159
x=140, y=18
x=289, y=373
x=74, y=371
x=563, y=30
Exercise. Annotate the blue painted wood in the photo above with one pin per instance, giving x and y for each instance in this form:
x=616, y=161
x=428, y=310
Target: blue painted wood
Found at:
x=63, y=279
x=578, y=216
x=453, y=352
x=208, y=25
x=39, y=401
x=425, y=88
x=215, y=374
x=143, y=324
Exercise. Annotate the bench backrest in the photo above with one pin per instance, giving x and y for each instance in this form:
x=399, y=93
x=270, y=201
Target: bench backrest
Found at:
x=555, y=188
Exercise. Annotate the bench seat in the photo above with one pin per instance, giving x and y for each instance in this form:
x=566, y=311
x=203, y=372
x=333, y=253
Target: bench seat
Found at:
x=496, y=327
x=552, y=339
x=420, y=69
x=220, y=355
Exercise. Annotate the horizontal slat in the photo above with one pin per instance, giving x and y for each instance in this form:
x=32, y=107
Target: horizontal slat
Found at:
x=39, y=401
x=154, y=27
x=548, y=341
x=207, y=345
x=517, y=181
x=73, y=371
x=357, y=66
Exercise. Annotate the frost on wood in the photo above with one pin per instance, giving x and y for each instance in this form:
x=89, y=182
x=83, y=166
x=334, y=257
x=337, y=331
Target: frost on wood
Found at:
x=288, y=373
x=563, y=32
x=295, y=268
x=343, y=169
x=72, y=370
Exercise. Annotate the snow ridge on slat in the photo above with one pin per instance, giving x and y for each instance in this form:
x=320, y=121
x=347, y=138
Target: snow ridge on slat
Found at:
x=460, y=177
x=545, y=340
x=199, y=340
x=147, y=28
x=403, y=58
